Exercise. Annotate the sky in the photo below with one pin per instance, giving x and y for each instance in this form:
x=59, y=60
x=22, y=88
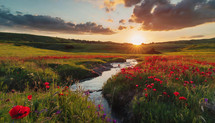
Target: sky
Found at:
x=141, y=21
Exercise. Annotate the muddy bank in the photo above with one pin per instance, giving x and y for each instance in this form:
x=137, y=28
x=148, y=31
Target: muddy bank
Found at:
x=99, y=69
x=102, y=67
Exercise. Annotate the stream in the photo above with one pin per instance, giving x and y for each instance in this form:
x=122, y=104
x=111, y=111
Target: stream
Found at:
x=95, y=85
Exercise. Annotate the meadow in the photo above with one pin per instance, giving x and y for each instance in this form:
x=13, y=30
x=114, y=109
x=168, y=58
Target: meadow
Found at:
x=174, y=86
x=164, y=89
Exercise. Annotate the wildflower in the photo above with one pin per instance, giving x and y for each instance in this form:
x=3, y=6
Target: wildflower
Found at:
x=87, y=93
x=43, y=110
x=146, y=95
x=104, y=115
x=182, y=98
x=145, y=89
x=108, y=120
x=58, y=112
x=46, y=84
x=60, y=94
x=114, y=121
x=176, y=93
x=7, y=100
x=136, y=85
x=154, y=89
x=152, y=84
x=191, y=82
x=13, y=91
x=194, y=86
x=29, y=97
x=164, y=93
x=66, y=87
x=149, y=86
x=176, y=78
x=18, y=112
x=206, y=99
x=99, y=106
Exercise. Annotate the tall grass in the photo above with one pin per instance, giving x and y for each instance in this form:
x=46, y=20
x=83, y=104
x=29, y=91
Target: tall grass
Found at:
x=56, y=104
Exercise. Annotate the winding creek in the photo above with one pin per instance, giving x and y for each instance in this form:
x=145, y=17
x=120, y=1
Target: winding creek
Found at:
x=95, y=85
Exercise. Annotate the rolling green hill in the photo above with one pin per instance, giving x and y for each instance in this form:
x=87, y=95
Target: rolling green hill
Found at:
x=74, y=46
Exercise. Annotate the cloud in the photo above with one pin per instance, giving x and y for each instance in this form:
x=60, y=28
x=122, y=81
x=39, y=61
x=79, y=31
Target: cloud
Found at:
x=111, y=4
x=48, y=23
x=131, y=27
x=122, y=21
x=122, y=27
x=194, y=36
x=110, y=20
x=161, y=15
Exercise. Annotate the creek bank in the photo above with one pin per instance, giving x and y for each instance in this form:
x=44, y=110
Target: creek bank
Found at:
x=93, y=86
x=100, y=68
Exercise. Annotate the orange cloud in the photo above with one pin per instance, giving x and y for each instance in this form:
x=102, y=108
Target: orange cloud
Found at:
x=110, y=20
x=122, y=21
x=111, y=4
x=122, y=27
x=131, y=27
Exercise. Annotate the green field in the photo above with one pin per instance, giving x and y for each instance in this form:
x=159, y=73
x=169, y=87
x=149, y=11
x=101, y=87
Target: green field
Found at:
x=28, y=61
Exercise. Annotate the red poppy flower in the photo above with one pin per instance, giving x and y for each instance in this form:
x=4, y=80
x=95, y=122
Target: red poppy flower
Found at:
x=60, y=94
x=152, y=84
x=176, y=93
x=47, y=86
x=46, y=83
x=154, y=89
x=29, y=97
x=136, y=85
x=18, y=112
x=146, y=95
x=182, y=98
x=149, y=86
x=164, y=93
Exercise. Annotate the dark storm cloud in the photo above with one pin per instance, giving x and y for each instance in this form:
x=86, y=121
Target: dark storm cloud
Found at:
x=129, y=3
x=48, y=23
x=160, y=15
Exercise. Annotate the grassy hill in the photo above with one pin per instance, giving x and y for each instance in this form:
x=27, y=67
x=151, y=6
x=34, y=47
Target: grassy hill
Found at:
x=24, y=41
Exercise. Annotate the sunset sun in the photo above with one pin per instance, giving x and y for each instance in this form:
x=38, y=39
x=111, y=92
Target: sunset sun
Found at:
x=137, y=40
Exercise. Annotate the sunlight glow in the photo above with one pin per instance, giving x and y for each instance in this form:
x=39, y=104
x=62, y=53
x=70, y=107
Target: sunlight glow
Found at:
x=137, y=40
